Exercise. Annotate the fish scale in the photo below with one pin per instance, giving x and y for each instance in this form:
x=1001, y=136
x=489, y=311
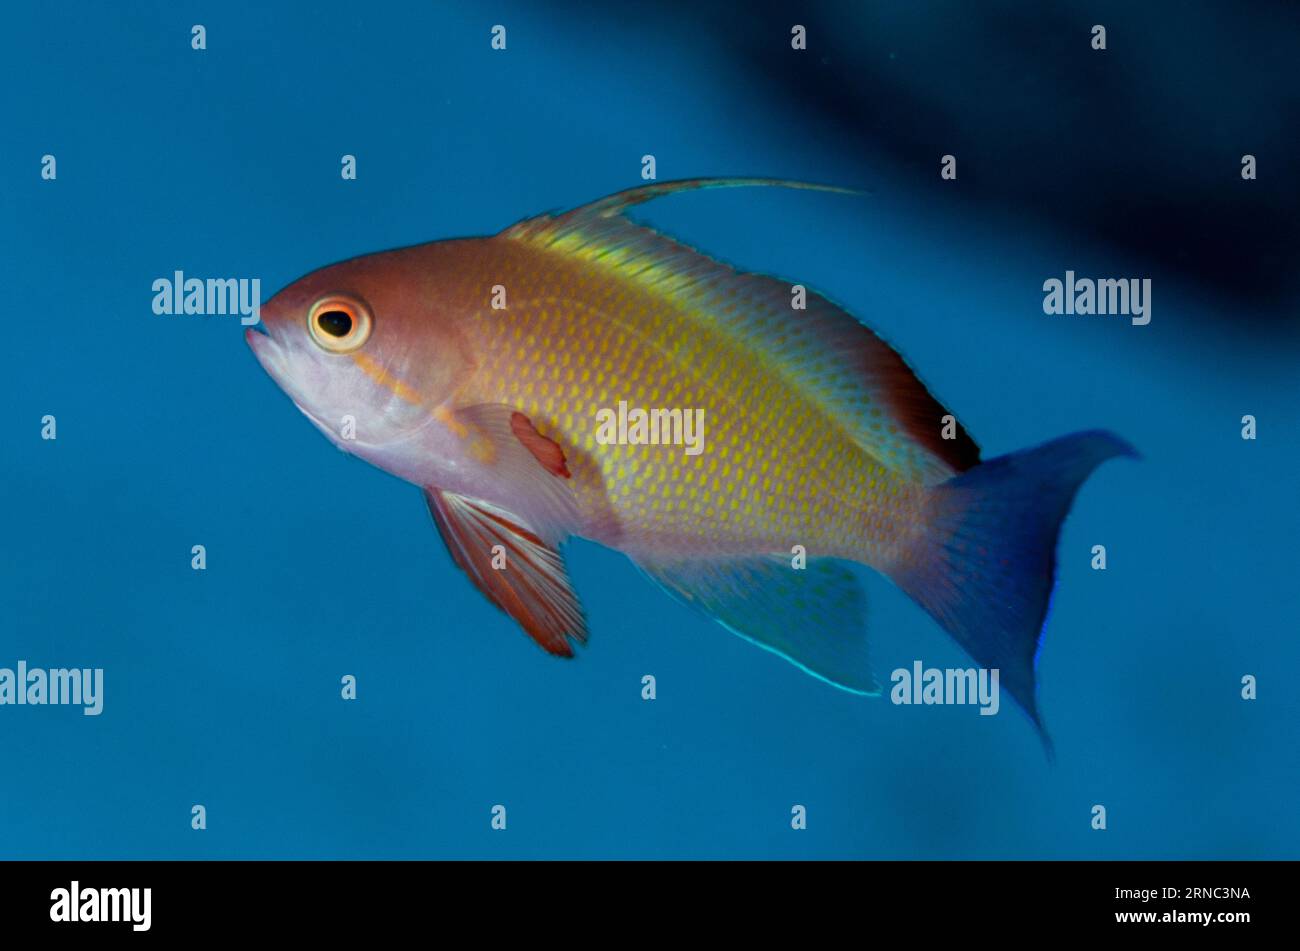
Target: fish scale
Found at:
x=787, y=462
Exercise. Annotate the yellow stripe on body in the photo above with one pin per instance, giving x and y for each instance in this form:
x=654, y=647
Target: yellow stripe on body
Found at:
x=481, y=447
x=380, y=374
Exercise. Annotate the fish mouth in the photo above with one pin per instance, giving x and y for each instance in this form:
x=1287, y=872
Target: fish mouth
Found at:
x=270, y=354
x=265, y=349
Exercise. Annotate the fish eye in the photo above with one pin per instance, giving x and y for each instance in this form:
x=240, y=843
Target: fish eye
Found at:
x=339, y=324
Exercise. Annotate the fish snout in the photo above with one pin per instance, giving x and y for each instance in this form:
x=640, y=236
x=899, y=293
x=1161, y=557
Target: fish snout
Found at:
x=266, y=350
x=258, y=341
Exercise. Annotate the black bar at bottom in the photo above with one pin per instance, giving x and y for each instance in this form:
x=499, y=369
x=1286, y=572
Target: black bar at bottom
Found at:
x=339, y=899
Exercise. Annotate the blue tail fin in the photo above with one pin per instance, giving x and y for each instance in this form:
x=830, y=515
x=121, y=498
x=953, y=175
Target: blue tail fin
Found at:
x=986, y=565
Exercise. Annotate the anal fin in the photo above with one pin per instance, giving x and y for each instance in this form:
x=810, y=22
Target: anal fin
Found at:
x=530, y=584
x=813, y=617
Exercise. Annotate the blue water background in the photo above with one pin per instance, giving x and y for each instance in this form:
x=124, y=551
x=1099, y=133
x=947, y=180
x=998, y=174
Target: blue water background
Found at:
x=222, y=686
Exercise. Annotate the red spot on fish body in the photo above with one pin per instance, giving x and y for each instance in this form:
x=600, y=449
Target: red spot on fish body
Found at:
x=547, y=451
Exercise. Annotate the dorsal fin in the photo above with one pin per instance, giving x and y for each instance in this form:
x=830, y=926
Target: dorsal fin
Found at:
x=614, y=204
x=822, y=351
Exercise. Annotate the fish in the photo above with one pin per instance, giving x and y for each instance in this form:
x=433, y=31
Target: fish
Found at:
x=513, y=377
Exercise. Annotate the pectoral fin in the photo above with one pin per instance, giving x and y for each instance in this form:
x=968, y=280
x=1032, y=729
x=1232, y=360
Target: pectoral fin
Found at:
x=504, y=442
x=509, y=562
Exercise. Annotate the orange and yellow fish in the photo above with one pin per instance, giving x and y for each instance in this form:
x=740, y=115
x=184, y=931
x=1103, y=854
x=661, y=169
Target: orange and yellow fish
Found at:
x=582, y=375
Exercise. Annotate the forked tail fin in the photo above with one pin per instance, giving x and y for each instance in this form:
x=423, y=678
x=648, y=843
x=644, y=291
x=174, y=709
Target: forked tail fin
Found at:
x=986, y=565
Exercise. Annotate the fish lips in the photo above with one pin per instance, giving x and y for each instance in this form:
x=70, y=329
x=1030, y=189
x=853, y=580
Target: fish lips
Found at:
x=270, y=354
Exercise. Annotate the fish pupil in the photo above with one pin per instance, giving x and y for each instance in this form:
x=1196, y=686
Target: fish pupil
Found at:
x=336, y=323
